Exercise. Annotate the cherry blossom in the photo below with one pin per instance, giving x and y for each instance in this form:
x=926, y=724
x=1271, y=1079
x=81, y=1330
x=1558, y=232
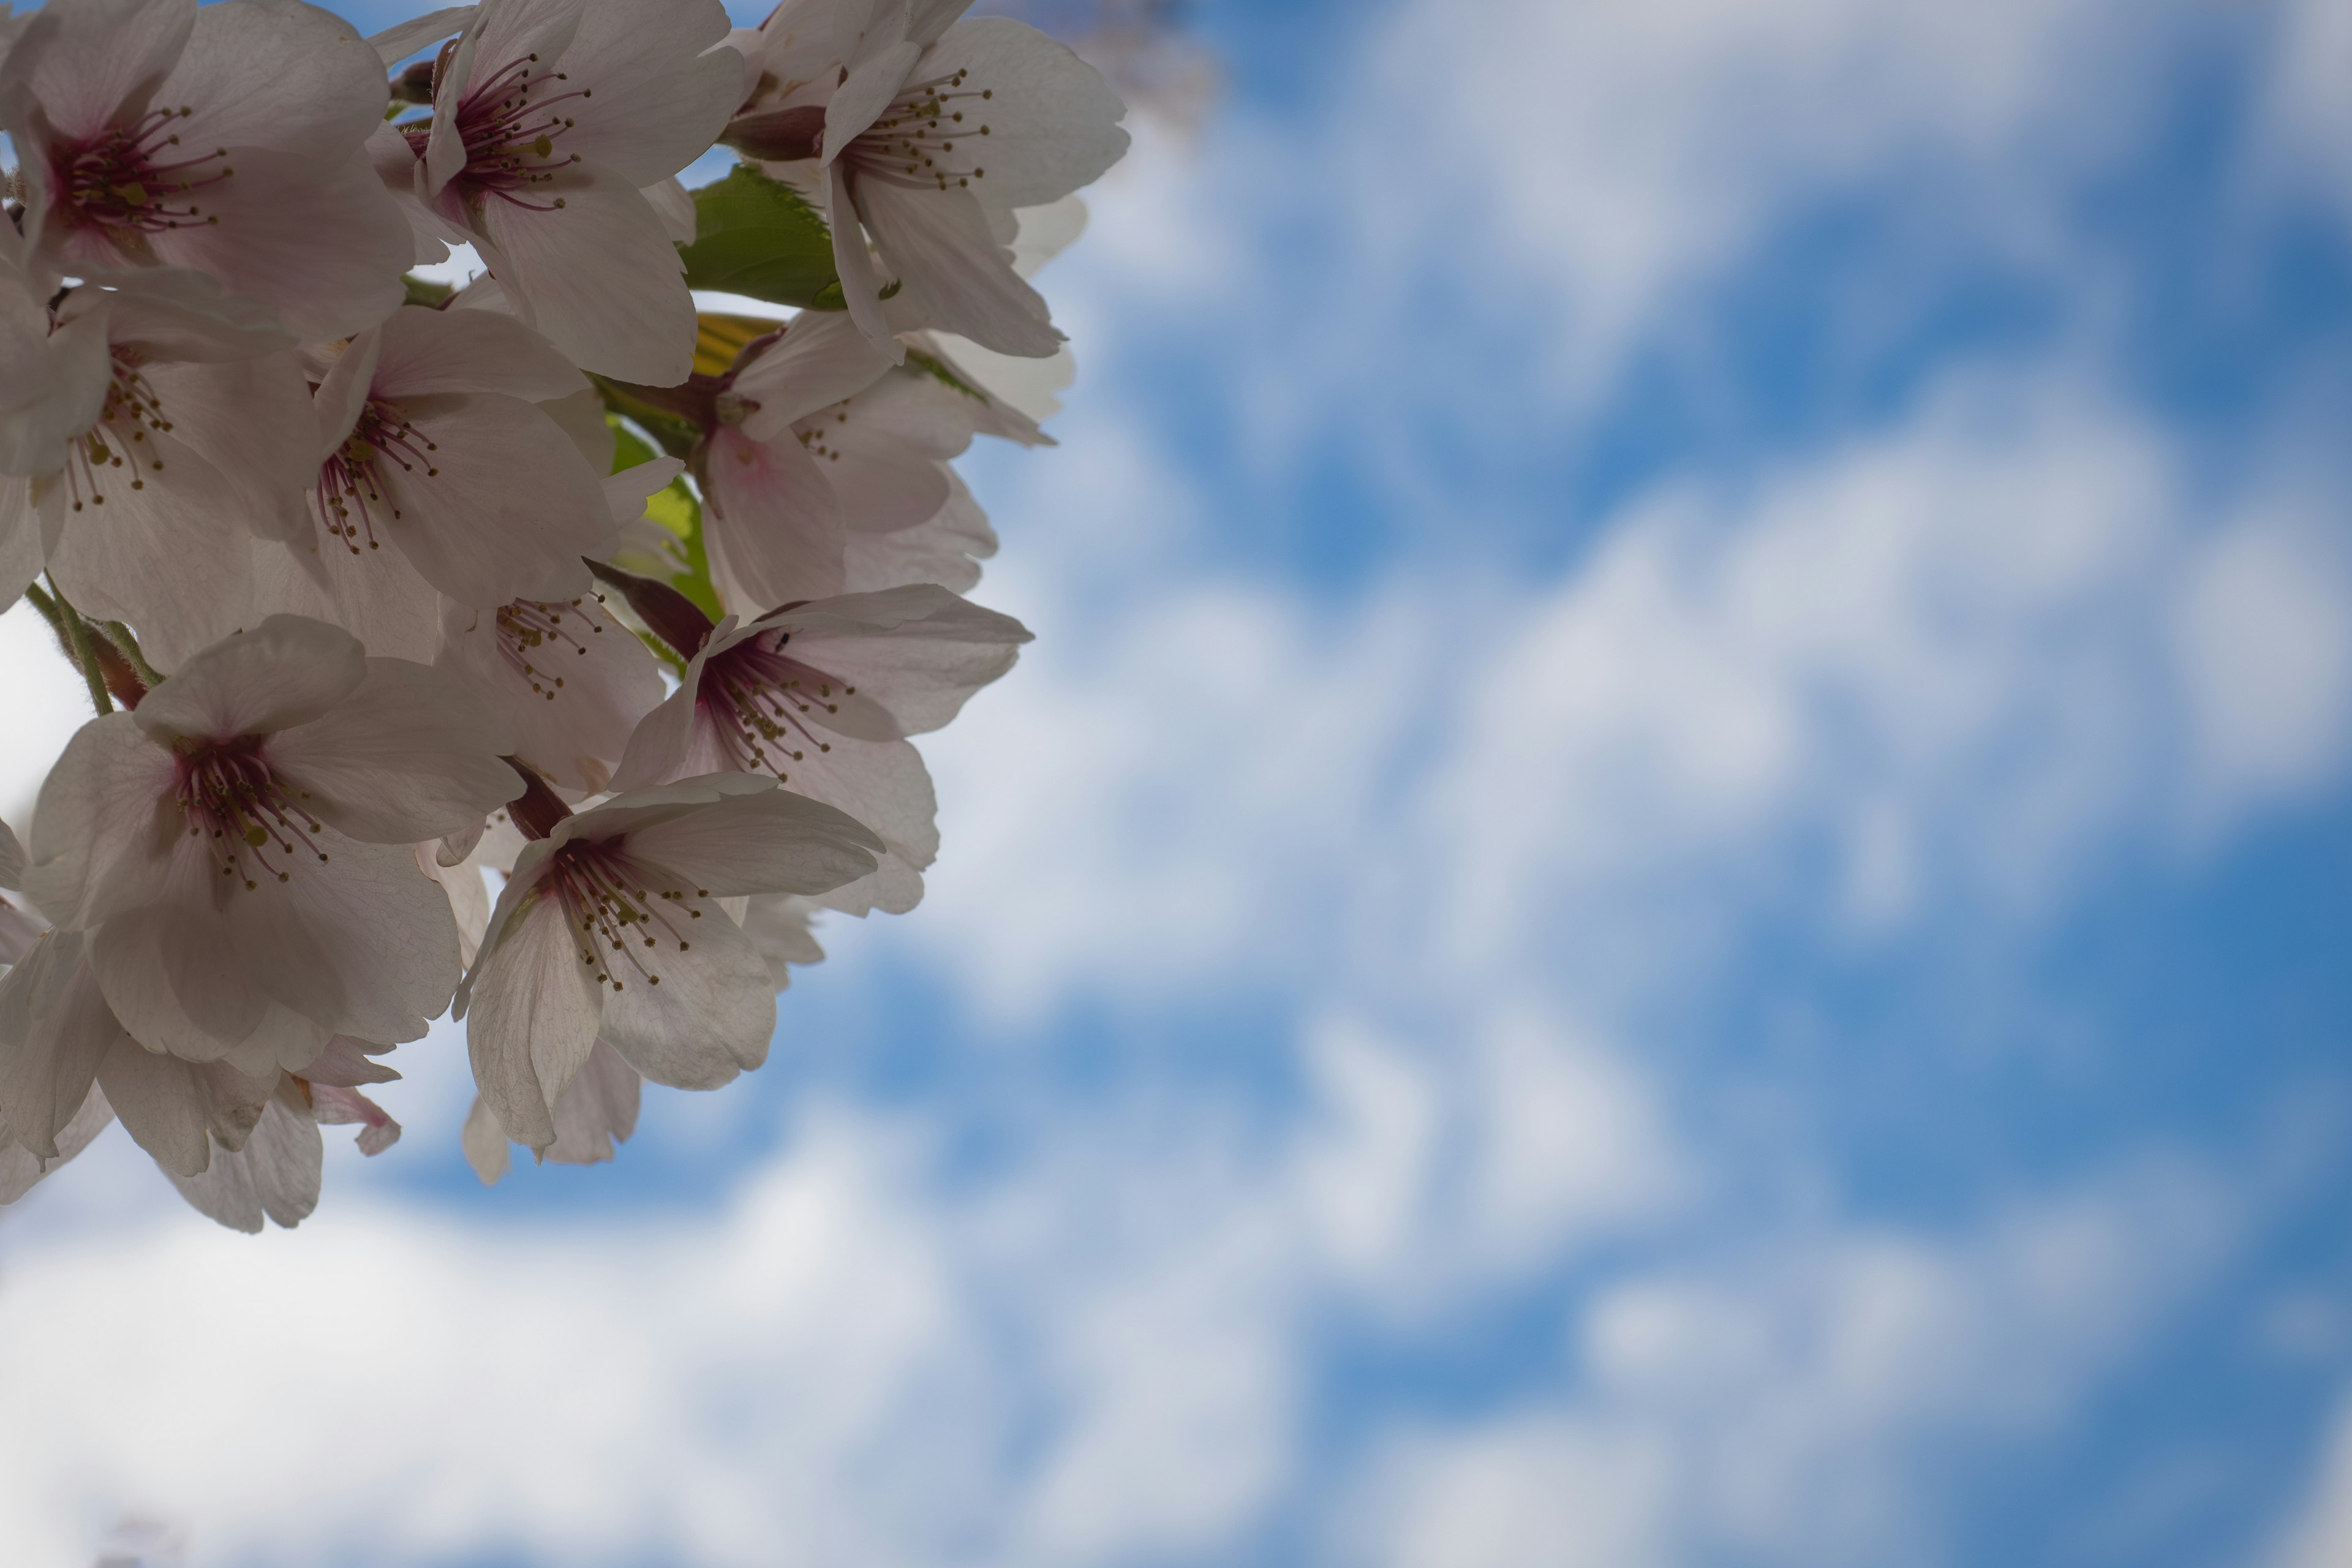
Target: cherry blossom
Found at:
x=821, y=697
x=328, y=548
x=175, y=428
x=442, y=478
x=275, y=900
x=550, y=119
x=607, y=928
x=227, y=138
x=926, y=136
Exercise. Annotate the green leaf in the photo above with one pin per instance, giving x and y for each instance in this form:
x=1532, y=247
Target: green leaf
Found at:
x=759, y=237
x=425, y=291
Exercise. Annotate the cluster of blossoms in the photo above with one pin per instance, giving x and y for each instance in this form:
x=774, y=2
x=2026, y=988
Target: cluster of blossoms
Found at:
x=540, y=650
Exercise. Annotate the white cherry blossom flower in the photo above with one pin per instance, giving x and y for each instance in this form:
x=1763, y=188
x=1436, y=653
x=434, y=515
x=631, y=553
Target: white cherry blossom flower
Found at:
x=175, y=429
x=240, y=845
x=931, y=133
x=571, y=681
x=608, y=928
x=550, y=119
x=817, y=446
x=821, y=697
x=227, y=138
x=442, y=478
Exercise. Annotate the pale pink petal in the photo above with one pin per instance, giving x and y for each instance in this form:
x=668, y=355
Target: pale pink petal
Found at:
x=597, y=1112
x=275, y=1174
x=90, y=61
x=822, y=359
x=411, y=755
x=174, y=1110
x=940, y=245
x=708, y=1018
x=284, y=672
x=166, y=550
x=20, y=1168
x=873, y=82
x=20, y=539
x=347, y=1063
x=532, y=1021
x=765, y=842
x=918, y=652
x=396, y=43
x=599, y=276
x=861, y=280
x=85, y=837
x=362, y=944
x=276, y=74
x=773, y=527
x=674, y=206
x=662, y=92
x=947, y=550
x=374, y=594
x=321, y=241
x=485, y=1144
x=54, y=1030
x=252, y=421
x=12, y=860
x=506, y=503
x=781, y=926
x=427, y=351
x=337, y=1106
x=1052, y=120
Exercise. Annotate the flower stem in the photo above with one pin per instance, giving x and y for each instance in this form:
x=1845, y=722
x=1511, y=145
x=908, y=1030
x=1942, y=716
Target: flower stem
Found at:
x=85, y=652
x=127, y=644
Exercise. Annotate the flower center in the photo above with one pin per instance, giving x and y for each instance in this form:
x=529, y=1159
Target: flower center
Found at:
x=913, y=142
x=759, y=701
x=135, y=180
x=350, y=495
x=530, y=629
x=229, y=796
x=614, y=913
x=119, y=439
x=511, y=126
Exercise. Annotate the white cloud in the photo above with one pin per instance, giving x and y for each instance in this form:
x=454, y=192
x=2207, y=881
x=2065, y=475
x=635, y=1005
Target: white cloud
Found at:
x=1779, y=1405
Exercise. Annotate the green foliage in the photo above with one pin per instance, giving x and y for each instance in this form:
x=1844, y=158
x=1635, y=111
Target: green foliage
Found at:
x=759, y=237
x=424, y=291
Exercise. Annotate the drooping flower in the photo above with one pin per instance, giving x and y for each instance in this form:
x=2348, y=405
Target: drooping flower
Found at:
x=925, y=135
x=175, y=429
x=442, y=478
x=227, y=138
x=240, y=845
x=550, y=119
x=823, y=697
x=608, y=928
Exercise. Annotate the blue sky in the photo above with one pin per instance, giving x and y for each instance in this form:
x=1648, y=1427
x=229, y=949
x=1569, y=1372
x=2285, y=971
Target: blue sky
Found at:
x=1667, y=887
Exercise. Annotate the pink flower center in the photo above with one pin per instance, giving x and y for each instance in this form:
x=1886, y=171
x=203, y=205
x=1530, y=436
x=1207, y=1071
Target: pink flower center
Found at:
x=619, y=917
x=511, y=126
x=229, y=796
x=351, y=494
x=913, y=142
x=533, y=634
x=135, y=180
x=758, y=700
x=119, y=439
